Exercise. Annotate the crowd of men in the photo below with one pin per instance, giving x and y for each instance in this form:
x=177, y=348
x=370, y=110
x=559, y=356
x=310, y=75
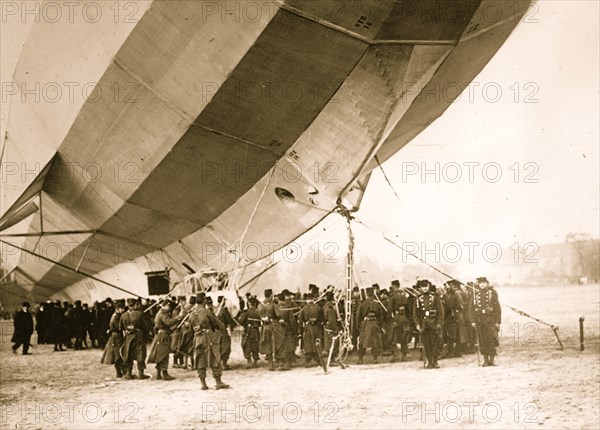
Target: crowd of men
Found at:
x=456, y=318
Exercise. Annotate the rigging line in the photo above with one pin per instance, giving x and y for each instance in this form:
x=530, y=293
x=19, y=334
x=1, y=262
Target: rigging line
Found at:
x=241, y=241
x=188, y=252
x=73, y=270
x=451, y=277
x=304, y=242
x=386, y=177
x=406, y=220
x=404, y=250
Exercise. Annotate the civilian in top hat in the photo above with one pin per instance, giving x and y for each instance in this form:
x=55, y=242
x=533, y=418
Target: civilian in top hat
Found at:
x=23, y=323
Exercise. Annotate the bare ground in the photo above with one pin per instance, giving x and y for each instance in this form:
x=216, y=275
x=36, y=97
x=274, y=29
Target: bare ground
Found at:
x=536, y=385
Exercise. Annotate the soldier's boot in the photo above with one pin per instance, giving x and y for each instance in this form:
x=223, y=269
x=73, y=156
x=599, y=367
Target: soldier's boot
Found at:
x=202, y=376
x=220, y=384
x=141, y=374
x=394, y=356
x=119, y=372
x=486, y=363
x=403, y=358
x=158, y=374
x=307, y=361
x=375, y=360
x=360, y=359
x=225, y=365
x=255, y=362
x=491, y=361
x=166, y=376
x=249, y=361
x=129, y=375
x=435, y=363
x=271, y=365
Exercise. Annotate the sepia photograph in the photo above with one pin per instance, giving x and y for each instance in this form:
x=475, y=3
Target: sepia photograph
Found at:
x=299, y=214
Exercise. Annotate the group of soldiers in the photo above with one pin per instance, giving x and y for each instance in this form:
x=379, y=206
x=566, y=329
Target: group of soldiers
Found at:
x=462, y=318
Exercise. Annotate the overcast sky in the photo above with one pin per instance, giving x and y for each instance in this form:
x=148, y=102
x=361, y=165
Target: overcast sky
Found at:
x=554, y=138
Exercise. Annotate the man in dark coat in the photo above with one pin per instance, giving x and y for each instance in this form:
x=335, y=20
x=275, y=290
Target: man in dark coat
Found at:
x=207, y=348
x=104, y=312
x=23, y=324
x=133, y=323
x=57, y=324
x=161, y=345
x=488, y=316
x=112, y=351
x=42, y=322
x=429, y=316
x=370, y=315
x=78, y=320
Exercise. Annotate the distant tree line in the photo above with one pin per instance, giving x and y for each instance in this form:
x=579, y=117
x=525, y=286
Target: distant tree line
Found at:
x=587, y=249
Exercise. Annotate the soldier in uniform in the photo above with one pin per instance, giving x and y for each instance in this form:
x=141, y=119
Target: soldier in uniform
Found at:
x=370, y=314
x=285, y=312
x=161, y=345
x=207, y=349
x=354, y=322
x=186, y=340
x=230, y=323
x=429, y=315
x=133, y=323
x=467, y=319
x=310, y=319
x=331, y=326
x=453, y=317
x=402, y=326
x=250, y=320
x=112, y=350
x=271, y=335
x=176, y=333
x=488, y=317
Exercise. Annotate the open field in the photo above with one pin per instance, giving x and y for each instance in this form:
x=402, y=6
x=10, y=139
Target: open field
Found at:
x=536, y=385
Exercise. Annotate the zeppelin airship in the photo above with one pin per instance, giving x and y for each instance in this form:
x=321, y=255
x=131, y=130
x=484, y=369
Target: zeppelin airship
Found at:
x=152, y=134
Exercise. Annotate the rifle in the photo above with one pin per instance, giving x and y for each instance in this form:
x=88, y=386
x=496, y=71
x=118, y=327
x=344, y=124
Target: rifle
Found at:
x=477, y=343
x=379, y=301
